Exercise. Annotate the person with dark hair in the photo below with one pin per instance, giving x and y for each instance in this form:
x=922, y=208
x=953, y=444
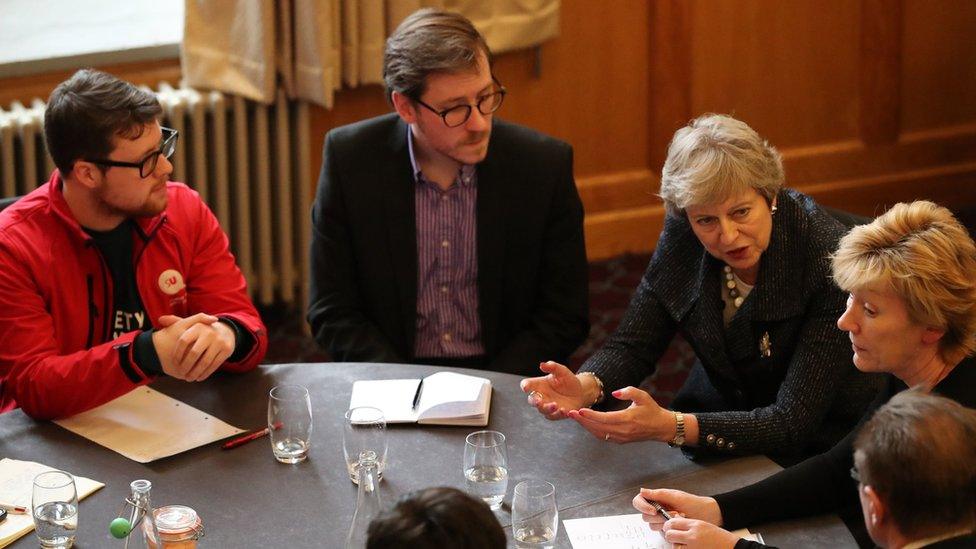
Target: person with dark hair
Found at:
x=436, y=518
x=441, y=235
x=110, y=274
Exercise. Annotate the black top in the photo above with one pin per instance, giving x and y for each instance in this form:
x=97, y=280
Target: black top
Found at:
x=803, y=397
x=822, y=484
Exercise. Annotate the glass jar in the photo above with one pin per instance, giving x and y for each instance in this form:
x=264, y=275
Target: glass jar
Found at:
x=179, y=528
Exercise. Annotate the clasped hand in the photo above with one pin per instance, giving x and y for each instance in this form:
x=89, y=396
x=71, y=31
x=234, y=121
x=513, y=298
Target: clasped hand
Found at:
x=561, y=394
x=696, y=520
x=192, y=348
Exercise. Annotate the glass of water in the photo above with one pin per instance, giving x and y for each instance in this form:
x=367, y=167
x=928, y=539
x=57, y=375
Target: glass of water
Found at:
x=364, y=439
x=486, y=466
x=289, y=422
x=535, y=517
x=54, y=506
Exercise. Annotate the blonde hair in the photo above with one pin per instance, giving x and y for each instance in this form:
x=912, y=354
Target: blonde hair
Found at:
x=716, y=157
x=923, y=254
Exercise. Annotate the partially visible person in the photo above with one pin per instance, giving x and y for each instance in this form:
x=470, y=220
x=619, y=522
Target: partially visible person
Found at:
x=741, y=271
x=912, y=315
x=110, y=274
x=441, y=234
x=436, y=518
x=915, y=465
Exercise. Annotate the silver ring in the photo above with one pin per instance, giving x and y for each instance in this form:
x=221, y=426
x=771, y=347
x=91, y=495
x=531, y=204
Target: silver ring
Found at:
x=606, y=437
x=536, y=394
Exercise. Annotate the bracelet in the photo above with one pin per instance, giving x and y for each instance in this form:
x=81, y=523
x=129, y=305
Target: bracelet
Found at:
x=679, y=433
x=599, y=384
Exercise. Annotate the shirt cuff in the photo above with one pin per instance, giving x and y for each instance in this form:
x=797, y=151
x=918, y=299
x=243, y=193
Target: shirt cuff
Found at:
x=243, y=340
x=144, y=354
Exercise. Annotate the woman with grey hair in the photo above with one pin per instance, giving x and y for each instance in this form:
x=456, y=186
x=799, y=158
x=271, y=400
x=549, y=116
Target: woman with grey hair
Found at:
x=741, y=271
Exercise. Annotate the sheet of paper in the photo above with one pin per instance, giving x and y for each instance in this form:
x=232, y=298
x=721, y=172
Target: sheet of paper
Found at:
x=145, y=425
x=621, y=532
x=16, y=482
x=393, y=396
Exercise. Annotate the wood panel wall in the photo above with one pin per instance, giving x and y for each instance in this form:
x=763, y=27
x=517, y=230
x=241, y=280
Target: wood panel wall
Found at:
x=870, y=101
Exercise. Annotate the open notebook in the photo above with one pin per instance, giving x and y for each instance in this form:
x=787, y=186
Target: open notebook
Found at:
x=16, y=482
x=445, y=399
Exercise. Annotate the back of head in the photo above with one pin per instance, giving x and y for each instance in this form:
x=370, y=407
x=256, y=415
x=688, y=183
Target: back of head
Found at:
x=436, y=518
x=85, y=112
x=923, y=254
x=918, y=454
x=430, y=41
x=714, y=158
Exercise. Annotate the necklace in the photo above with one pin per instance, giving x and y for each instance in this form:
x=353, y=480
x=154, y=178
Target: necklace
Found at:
x=734, y=294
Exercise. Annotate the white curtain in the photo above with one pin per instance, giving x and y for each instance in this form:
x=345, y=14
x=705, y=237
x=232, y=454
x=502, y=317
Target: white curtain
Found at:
x=313, y=47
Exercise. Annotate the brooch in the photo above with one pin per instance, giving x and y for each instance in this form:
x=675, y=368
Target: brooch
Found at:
x=765, y=346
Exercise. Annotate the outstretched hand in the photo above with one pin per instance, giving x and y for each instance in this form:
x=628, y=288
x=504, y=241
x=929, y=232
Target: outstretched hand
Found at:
x=557, y=393
x=644, y=419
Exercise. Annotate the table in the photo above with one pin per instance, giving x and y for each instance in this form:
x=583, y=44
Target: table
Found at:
x=247, y=499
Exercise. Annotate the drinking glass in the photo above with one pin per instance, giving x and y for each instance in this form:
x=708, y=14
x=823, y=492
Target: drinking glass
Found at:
x=364, y=439
x=289, y=422
x=535, y=517
x=54, y=507
x=486, y=466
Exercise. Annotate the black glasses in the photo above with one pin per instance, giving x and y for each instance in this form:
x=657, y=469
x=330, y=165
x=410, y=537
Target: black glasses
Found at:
x=148, y=164
x=455, y=116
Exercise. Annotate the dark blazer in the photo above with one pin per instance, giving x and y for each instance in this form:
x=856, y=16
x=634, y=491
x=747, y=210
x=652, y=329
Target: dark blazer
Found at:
x=802, y=398
x=532, y=272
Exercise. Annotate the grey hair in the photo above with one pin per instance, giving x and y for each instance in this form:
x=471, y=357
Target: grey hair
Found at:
x=714, y=158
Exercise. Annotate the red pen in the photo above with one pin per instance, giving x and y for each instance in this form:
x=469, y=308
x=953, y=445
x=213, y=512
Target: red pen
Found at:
x=249, y=437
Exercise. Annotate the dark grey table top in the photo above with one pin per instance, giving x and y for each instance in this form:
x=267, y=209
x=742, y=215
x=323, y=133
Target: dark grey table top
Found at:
x=247, y=499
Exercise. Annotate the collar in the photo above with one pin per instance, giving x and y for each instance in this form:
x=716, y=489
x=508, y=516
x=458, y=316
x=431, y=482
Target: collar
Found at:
x=465, y=176
x=145, y=226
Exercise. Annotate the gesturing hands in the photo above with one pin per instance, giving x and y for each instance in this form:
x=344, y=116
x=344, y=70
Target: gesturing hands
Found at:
x=554, y=395
x=644, y=419
x=192, y=348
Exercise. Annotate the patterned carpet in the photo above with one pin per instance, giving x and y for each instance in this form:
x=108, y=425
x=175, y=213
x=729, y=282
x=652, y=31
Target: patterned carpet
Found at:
x=612, y=282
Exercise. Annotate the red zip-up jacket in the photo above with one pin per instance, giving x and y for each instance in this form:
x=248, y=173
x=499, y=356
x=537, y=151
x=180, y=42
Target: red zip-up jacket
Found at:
x=56, y=355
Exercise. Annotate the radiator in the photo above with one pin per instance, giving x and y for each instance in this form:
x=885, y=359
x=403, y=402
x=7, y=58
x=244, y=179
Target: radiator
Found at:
x=250, y=162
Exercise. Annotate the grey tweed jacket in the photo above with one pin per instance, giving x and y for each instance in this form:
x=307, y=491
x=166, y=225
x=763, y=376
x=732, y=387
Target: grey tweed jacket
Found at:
x=800, y=399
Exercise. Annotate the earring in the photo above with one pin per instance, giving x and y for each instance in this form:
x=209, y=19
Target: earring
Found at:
x=772, y=210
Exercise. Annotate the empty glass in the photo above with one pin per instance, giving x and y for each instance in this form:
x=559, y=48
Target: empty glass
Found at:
x=289, y=422
x=535, y=517
x=364, y=439
x=54, y=506
x=486, y=466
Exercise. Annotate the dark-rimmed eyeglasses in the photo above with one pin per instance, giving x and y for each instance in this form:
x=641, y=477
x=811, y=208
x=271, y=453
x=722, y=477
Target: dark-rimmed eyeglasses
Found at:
x=148, y=164
x=459, y=114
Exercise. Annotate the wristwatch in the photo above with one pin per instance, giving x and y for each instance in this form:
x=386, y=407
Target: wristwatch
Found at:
x=679, y=434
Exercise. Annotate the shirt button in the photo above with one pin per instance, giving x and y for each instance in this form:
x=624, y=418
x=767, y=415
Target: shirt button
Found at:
x=710, y=439
x=443, y=197
x=446, y=337
x=443, y=289
x=445, y=243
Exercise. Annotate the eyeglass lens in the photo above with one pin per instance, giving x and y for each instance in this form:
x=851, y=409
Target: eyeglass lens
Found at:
x=486, y=105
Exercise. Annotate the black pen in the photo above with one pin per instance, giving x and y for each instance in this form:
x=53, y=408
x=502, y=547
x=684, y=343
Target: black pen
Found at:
x=656, y=505
x=416, y=396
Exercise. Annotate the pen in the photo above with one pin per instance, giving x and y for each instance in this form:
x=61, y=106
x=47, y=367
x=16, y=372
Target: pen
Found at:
x=416, y=396
x=660, y=509
x=13, y=509
x=248, y=437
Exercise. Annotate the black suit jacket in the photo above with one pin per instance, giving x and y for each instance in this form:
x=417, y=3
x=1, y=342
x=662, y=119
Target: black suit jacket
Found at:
x=532, y=272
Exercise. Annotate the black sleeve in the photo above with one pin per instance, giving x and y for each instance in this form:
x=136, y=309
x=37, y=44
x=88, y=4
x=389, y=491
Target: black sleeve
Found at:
x=749, y=544
x=334, y=312
x=560, y=321
x=243, y=340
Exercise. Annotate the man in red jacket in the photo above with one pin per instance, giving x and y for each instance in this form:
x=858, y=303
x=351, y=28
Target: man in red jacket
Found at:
x=110, y=274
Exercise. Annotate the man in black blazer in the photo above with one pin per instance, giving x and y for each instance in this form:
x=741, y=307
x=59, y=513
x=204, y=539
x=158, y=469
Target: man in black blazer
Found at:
x=440, y=235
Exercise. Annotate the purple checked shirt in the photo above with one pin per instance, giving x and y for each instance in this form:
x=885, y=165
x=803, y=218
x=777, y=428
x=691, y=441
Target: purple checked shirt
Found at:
x=447, y=265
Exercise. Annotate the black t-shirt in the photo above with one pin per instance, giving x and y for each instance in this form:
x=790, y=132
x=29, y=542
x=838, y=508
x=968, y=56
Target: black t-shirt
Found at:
x=116, y=247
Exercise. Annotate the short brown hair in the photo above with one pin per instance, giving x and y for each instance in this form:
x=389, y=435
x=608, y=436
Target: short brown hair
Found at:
x=436, y=518
x=922, y=253
x=430, y=41
x=86, y=111
x=918, y=454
